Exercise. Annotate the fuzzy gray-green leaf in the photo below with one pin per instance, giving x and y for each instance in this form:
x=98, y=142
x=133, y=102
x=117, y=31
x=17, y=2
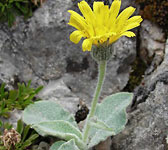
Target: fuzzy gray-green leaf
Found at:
x=56, y=145
x=61, y=129
x=46, y=111
x=62, y=145
x=70, y=145
x=94, y=122
x=112, y=112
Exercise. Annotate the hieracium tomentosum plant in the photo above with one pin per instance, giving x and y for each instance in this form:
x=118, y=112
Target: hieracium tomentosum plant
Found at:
x=100, y=28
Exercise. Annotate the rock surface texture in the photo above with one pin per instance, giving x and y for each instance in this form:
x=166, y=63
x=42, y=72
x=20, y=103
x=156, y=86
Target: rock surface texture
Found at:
x=152, y=45
x=148, y=120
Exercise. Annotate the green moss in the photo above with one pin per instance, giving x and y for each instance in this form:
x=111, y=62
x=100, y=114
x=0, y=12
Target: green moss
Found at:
x=156, y=11
x=9, y=9
x=136, y=76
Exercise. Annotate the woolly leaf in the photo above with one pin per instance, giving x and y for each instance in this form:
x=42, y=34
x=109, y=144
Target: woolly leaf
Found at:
x=62, y=145
x=94, y=122
x=112, y=112
x=56, y=145
x=46, y=111
x=61, y=129
x=70, y=145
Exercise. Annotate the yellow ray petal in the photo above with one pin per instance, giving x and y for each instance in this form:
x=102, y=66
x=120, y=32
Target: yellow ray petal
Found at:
x=77, y=21
x=122, y=18
x=128, y=34
x=100, y=30
x=90, y=31
x=96, y=7
x=115, y=8
x=130, y=26
x=113, y=39
x=126, y=13
x=136, y=19
x=76, y=36
x=105, y=12
x=116, y=37
x=132, y=23
x=113, y=13
x=86, y=11
x=87, y=45
x=101, y=13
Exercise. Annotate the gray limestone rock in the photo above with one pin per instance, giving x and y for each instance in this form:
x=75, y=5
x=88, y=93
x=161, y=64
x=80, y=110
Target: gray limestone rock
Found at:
x=41, y=146
x=58, y=91
x=147, y=126
x=148, y=120
x=152, y=44
x=15, y=115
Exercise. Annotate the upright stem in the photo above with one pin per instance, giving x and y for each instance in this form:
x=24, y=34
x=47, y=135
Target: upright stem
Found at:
x=102, y=71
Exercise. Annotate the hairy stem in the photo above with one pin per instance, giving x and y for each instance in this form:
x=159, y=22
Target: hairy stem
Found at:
x=102, y=71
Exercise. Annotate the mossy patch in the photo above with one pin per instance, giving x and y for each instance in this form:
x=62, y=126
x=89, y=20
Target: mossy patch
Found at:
x=136, y=76
x=156, y=11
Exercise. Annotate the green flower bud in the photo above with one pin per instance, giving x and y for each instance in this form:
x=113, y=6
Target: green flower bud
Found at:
x=102, y=52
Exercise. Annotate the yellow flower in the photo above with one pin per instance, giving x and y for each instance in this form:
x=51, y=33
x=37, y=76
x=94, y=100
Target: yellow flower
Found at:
x=103, y=24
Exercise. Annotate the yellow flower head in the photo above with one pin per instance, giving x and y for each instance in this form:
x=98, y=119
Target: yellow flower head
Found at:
x=103, y=24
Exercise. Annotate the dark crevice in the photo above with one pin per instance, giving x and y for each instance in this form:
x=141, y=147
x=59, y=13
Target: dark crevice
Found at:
x=138, y=69
x=16, y=81
x=69, y=87
x=94, y=73
x=142, y=93
x=140, y=96
x=73, y=66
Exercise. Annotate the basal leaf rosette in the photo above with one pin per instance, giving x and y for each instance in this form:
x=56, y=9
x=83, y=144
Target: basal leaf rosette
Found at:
x=102, y=25
x=49, y=118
